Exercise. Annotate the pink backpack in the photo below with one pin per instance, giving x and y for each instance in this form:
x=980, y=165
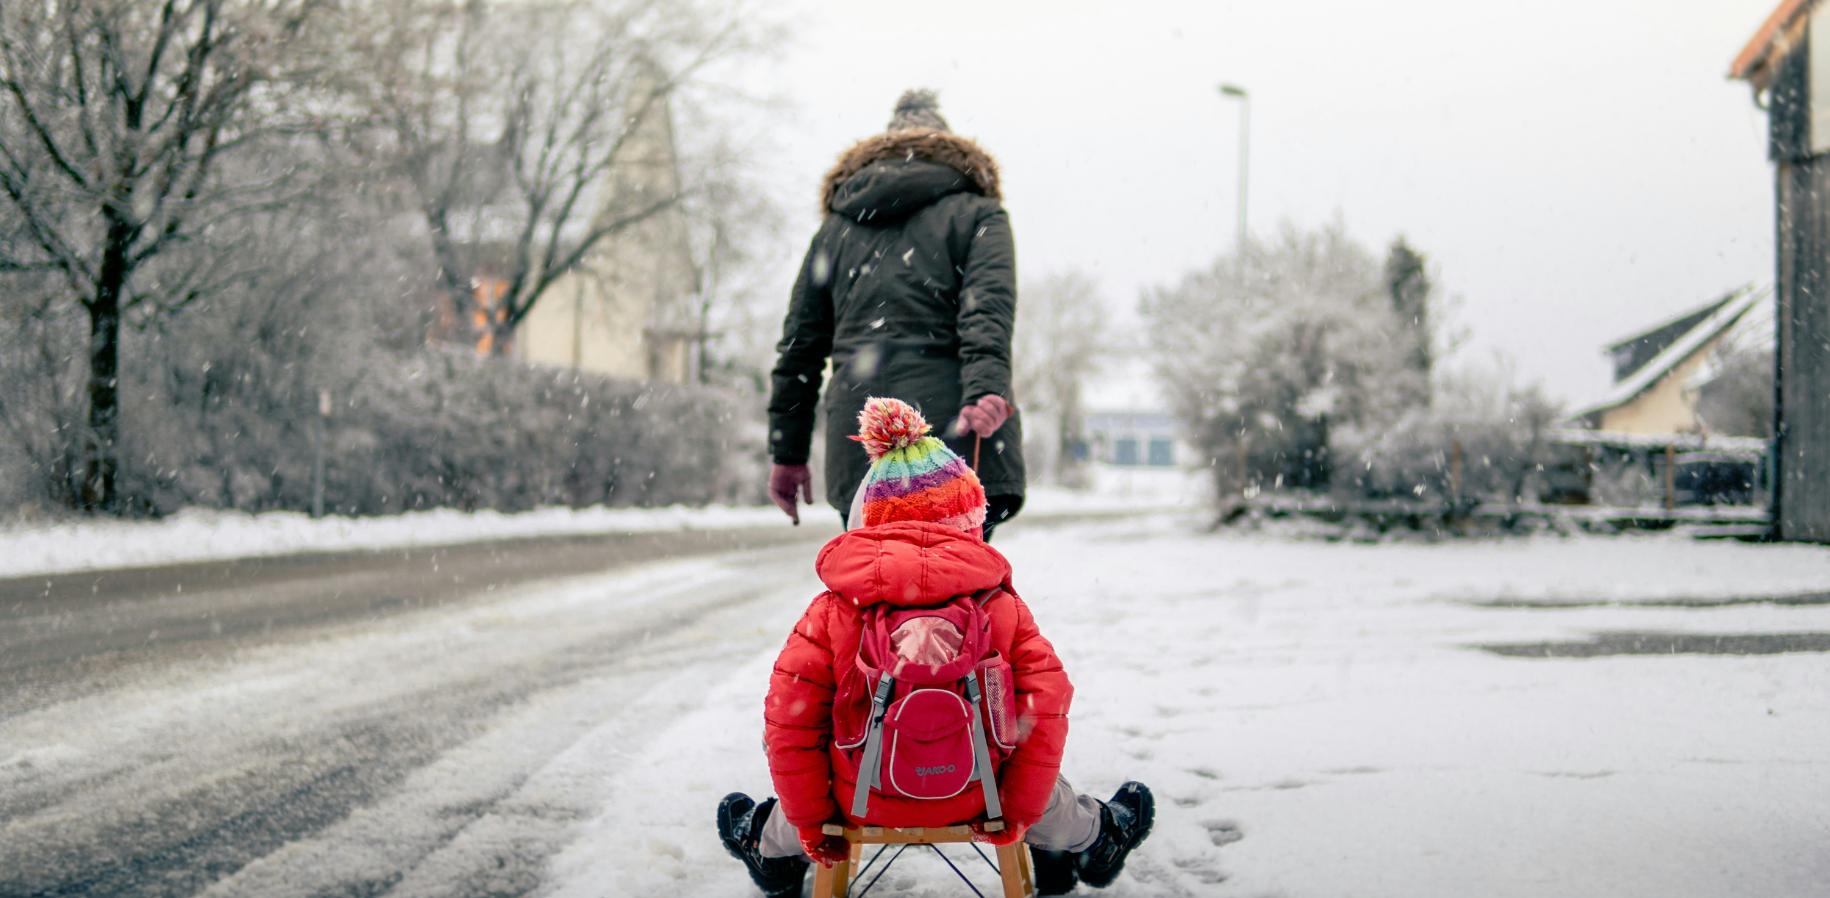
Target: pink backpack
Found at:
x=941, y=704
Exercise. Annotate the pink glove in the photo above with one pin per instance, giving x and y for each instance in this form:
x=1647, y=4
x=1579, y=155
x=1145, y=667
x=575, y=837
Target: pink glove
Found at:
x=784, y=482
x=983, y=417
x=1011, y=834
x=824, y=849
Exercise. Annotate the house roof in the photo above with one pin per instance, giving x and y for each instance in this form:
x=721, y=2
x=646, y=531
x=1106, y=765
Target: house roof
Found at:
x=1755, y=333
x=1720, y=316
x=1778, y=32
x=1634, y=352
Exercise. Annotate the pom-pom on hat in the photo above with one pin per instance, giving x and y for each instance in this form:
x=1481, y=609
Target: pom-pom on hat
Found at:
x=913, y=476
x=917, y=108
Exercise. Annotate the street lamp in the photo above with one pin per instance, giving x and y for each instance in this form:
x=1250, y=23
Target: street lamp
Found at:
x=1245, y=129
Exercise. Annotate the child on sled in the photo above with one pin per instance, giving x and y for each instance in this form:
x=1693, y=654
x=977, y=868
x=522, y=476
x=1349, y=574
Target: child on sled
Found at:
x=917, y=691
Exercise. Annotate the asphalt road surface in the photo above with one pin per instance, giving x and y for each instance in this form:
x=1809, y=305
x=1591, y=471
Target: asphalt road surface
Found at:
x=266, y=727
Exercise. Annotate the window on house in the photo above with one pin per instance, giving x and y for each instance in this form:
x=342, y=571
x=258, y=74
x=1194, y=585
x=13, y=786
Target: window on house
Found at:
x=1162, y=452
x=1124, y=451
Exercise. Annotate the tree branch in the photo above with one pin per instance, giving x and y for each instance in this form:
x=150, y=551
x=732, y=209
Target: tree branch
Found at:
x=157, y=54
x=16, y=90
x=572, y=259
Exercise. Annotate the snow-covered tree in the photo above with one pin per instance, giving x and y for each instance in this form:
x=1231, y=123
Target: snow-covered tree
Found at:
x=1734, y=392
x=119, y=124
x=1063, y=337
x=1484, y=438
x=732, y=227
x=524, y=134
x=212, y=210
x=1262, y=355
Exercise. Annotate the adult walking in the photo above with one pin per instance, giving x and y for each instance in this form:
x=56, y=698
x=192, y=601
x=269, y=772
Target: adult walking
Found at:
x=910, y=288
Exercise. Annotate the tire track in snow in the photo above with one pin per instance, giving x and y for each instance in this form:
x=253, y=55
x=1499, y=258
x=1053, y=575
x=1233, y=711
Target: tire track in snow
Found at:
x=165, y=788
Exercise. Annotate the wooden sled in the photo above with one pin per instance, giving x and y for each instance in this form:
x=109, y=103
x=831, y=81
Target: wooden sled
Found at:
x=1013, y=864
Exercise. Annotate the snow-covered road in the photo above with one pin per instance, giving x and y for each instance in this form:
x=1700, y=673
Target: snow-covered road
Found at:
x=369, y=755
x=1317, y=719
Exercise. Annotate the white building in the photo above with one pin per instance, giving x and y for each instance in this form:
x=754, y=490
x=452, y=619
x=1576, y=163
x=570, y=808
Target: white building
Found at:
x=1128, y=420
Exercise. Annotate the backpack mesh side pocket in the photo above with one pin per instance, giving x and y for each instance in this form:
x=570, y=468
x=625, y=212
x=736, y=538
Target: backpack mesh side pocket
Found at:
x=1000, y=703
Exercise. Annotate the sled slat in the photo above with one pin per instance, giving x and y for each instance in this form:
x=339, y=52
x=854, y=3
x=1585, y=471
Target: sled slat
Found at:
x=1014, y=866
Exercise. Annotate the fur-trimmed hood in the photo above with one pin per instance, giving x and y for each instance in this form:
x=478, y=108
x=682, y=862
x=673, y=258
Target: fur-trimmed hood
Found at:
x=964, y=157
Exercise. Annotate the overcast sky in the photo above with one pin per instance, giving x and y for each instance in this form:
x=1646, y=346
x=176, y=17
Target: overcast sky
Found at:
x=1574, y=170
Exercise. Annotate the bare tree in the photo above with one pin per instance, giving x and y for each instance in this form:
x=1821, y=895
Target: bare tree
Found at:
x=518, y=132
x=40, y=392
x=731, y=227
x=1734, y=394
x=116, y=117
x=1063, y=337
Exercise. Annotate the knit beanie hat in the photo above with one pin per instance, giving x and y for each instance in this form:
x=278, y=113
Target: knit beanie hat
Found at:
x=913, y=476
x=918, y=108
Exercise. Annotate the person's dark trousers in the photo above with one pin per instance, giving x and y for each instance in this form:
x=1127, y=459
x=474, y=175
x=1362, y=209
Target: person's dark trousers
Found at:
x=998, y=509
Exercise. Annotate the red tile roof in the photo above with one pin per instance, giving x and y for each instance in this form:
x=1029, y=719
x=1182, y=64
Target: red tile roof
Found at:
x=1775, y=30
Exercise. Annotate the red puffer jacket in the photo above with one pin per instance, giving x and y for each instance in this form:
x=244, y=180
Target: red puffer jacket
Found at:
x=907, y=563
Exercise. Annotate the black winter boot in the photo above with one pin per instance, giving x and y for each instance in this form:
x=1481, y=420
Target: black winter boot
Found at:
x=740, y=823
x=1056, y=871
x=1124, y=823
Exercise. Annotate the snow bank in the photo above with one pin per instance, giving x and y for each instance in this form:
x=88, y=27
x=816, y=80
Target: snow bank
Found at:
x=200, y=535
x=214, y=536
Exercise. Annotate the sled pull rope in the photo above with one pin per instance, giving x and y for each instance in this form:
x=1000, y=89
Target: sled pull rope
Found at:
x=981, y=751
x=873, y=746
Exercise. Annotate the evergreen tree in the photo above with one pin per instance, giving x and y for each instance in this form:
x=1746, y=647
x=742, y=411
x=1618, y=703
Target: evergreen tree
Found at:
x=1407, y=282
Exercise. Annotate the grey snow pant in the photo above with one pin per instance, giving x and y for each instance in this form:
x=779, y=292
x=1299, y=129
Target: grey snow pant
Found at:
x=1071, y=823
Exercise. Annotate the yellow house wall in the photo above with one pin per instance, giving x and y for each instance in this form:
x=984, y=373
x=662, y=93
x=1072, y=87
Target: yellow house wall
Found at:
x=1665, y=408
x=582, y=323
x=625, y=311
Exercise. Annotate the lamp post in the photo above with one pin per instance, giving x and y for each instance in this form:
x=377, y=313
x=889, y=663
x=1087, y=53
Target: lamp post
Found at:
x=317, y=454
x=1236, y=92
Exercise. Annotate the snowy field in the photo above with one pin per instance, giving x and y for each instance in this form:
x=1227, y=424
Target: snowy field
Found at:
x=1314, y=723
x=1317, y=719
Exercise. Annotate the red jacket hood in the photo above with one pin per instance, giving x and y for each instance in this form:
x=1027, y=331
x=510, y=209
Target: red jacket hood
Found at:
x=909, y=563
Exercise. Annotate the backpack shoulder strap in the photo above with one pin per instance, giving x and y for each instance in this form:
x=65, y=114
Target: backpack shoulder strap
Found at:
x=873, y=639
x=981, y=749
x=870, y=765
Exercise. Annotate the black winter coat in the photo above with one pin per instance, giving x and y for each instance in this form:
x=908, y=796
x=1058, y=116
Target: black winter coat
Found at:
x=910, y=288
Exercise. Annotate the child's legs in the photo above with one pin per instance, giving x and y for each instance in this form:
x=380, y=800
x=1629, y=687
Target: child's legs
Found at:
x=1071, y=822
x=779, y=838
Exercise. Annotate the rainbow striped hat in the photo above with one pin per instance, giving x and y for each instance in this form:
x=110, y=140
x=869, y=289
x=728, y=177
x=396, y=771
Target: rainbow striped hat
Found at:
x=913, y=476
